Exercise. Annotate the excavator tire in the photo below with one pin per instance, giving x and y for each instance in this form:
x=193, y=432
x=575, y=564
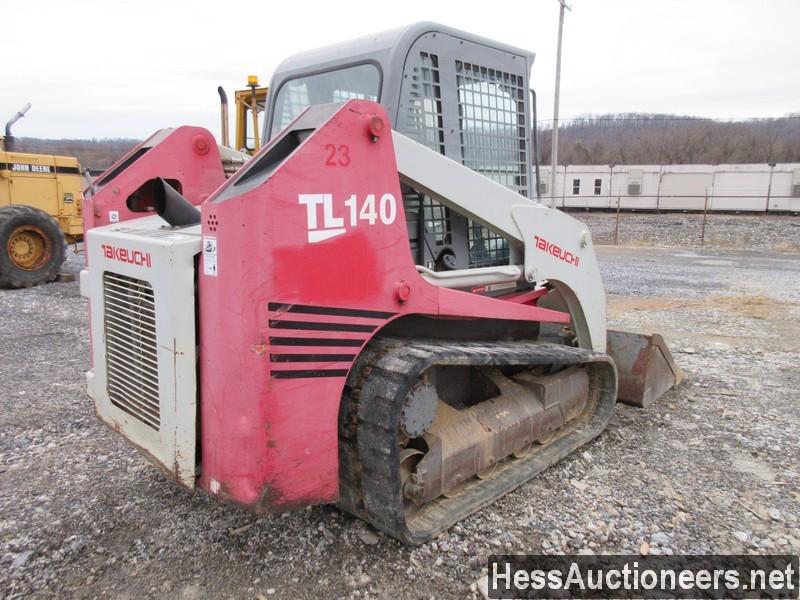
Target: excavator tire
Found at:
x=375, y=453
x=31, y=247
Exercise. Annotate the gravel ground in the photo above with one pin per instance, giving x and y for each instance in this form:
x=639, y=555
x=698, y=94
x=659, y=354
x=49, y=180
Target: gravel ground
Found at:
x=712, y=467
x=766, y=232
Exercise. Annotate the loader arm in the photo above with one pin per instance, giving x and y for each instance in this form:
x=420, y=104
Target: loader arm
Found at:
x=546, y=245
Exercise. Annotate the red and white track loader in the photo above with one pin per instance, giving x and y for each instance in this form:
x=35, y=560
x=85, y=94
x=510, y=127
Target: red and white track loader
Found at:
x=279, y=347
x=282, y=345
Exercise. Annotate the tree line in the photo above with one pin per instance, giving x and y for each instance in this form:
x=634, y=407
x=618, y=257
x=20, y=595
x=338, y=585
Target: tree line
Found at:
x=633, y=138
x=94, y=154
x=619, y=139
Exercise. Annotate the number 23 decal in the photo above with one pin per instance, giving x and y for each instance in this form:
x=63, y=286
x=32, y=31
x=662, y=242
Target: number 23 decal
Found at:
x=338, y=156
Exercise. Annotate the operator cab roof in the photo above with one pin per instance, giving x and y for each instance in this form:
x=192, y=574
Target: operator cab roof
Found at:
x=377, y=46
x=389, y=51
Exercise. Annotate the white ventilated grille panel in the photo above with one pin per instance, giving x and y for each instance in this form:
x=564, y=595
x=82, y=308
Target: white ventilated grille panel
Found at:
x=131, y=351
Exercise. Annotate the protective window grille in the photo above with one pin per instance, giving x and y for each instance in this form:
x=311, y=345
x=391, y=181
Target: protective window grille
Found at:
x=493, y=139
x=131, y=351
x=493, y=130
x=424, y=116
x=425, y=125
x=486, y=248
x=412, y=202
x=437, y=222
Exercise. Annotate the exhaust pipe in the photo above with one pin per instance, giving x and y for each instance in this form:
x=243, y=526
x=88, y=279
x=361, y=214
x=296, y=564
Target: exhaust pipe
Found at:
x=9, y=139
x=172, y=207
x=223, y=100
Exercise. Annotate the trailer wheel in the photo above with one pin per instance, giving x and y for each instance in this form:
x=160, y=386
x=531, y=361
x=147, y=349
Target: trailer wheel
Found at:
x=31, y=247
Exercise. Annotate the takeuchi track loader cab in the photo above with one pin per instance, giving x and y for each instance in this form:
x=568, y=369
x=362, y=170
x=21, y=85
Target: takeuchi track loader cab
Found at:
x=297, y=338
x=461, y=95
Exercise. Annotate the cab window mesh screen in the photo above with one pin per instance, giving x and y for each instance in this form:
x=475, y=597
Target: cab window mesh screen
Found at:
x=424, y=124
x=493, y=139
x=491, y=116
x=424, y=116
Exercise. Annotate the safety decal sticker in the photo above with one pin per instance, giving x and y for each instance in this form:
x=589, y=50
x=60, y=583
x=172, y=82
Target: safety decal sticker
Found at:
x=210, y=256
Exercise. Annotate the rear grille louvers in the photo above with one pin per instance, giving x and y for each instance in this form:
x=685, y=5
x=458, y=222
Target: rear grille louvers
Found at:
x=131, y=350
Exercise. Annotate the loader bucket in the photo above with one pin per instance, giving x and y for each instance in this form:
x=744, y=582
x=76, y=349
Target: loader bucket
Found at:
x=645, y=367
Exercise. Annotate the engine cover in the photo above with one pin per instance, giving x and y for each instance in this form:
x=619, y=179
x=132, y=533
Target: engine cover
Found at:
x=143, y=380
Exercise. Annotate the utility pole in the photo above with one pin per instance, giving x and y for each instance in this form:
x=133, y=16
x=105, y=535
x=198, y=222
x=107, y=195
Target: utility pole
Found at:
x=555, y=108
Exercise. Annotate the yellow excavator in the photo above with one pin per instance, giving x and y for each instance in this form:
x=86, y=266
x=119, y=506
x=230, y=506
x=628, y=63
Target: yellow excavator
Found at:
x=40, y=211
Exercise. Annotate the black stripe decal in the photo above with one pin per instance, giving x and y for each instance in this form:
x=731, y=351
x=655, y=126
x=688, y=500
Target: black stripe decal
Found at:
x=312, y=357
x=309, y=373
x=321, y=326
x=325, y=310
x=289, y=341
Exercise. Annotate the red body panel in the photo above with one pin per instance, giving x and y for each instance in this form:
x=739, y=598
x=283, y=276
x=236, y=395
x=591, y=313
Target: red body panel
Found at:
x=293, y=299
x=187, y=154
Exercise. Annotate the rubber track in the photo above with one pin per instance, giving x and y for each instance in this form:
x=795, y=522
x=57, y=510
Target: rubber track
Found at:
x=370, y=485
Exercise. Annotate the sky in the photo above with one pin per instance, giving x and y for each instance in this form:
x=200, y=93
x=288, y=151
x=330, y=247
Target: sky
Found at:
x=122, y=68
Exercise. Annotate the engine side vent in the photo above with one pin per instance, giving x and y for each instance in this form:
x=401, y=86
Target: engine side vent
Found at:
x=131, y=351
x=212, y=222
